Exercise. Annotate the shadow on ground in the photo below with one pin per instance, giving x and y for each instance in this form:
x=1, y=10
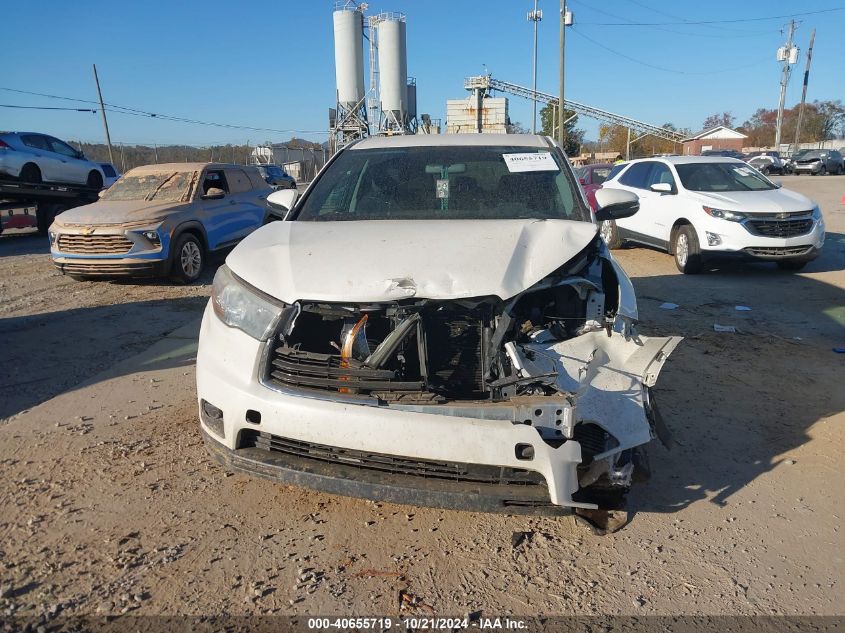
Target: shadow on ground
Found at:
x=47, y=354
x=739, y=403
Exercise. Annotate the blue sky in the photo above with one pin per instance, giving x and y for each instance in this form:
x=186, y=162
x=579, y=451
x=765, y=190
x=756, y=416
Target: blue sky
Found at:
x=271, y=64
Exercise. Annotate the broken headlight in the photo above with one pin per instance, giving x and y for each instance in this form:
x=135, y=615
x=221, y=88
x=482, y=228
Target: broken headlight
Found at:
x=239, y=305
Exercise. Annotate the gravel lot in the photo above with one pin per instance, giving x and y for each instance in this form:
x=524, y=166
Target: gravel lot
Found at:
x=111, y=505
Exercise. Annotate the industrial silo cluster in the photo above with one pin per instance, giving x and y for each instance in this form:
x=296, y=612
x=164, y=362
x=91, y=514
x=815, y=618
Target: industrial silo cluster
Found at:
x=388, y=105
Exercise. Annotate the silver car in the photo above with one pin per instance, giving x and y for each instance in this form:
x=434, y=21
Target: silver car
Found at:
x=39, y=158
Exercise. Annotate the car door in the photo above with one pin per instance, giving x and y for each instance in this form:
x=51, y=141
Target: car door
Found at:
x=43, y=156
x=634, y=179
x=71, y=167
x=662, y=208
x=248, y=209
x=216, y=213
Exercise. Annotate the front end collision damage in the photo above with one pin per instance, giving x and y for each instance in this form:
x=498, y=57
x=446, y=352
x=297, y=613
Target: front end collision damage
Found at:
x=560, y=364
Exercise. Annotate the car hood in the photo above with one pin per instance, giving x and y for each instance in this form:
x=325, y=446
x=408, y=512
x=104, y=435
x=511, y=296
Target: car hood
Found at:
x=772, y=201
x=121, y=212
x=386, y=260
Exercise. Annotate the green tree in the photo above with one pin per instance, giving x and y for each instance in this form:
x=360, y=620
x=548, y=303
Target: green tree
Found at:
x=573, y=137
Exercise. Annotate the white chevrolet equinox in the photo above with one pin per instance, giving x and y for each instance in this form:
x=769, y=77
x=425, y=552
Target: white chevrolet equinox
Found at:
x=704, y=208
x=436, y=322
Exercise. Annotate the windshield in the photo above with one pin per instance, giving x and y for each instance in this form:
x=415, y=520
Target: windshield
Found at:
x=161, y=186
x=433, y=183
x=722, y=177
x=812, y=155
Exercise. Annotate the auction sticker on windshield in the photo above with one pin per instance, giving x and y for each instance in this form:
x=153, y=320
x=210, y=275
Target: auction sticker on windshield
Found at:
x=538, y=161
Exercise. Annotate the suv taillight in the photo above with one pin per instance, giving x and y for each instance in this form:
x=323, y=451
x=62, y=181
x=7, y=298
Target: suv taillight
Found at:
x=5, y=145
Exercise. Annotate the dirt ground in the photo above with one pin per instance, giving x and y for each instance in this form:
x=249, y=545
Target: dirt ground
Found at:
x=111, y=505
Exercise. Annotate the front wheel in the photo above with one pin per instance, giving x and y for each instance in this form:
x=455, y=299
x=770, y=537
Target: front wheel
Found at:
x=188, y=259
x=610, y=234
x=823, y=171
x=686, y=250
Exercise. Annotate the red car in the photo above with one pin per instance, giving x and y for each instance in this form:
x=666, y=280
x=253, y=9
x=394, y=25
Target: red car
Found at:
x=591, y=177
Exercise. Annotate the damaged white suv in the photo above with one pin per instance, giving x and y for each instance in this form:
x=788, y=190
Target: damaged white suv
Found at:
x=436, y=322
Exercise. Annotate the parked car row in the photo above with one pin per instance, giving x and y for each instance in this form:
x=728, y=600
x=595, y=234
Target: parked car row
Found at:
x=412, y=290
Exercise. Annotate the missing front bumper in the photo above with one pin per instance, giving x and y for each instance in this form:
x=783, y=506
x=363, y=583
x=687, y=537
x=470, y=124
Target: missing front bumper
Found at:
x=446, y=485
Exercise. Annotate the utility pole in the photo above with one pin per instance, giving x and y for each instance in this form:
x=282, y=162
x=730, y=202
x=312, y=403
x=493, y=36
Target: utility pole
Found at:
x=561, y=76
x=535, y=16
x=103, y=112
x=788, y=55
x=804, y=91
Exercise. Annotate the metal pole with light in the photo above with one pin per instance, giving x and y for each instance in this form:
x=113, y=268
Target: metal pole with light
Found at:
x=535, y=16
x=788, y=55
x=565, y=20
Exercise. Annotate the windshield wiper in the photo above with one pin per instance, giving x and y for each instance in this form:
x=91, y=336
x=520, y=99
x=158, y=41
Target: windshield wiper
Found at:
x=153, y=193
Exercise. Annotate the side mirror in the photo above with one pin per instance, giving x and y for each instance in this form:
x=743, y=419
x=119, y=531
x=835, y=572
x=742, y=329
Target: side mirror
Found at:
x=281, y=201
x=615, y=204
x=662, y=187
x=214, y=194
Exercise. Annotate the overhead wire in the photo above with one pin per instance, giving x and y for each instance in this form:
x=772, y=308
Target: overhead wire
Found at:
x=579, y=33
x=119, y=109
x=732, y=21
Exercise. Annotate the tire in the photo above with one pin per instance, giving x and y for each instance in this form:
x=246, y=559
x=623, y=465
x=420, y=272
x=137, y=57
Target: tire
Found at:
x=610, y=234
x=823, y=171
x=45, y=214
x=686, y=250
x=791, y=264
x=95, y=180
x=187, y=259
x=30, y=173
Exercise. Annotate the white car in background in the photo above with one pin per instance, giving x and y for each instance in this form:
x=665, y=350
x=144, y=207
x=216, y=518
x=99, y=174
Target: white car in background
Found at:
x=700, y=208
x=36, y=158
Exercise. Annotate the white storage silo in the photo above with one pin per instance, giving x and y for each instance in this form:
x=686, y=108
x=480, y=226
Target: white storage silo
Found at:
x=349, y=57
x=393, y=69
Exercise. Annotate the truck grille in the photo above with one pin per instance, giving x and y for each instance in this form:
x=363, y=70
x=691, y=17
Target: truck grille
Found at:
x=426, y=468
x=780, y=228
x=94, y=244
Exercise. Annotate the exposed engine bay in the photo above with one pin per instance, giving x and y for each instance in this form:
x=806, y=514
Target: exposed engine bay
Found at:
x=560, y=356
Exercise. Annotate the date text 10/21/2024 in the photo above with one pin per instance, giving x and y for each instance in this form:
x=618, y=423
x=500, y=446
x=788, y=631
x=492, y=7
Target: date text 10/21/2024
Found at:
x=415, y=623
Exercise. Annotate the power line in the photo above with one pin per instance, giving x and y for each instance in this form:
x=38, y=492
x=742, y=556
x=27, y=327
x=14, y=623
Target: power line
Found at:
x=663, y=68
x=736, y=34
x=119, y=109
x=687, y=21
x=23, y=107
x=734, y=21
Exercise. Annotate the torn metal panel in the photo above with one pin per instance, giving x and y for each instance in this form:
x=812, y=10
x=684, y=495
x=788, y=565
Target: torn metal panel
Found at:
x=609, y=374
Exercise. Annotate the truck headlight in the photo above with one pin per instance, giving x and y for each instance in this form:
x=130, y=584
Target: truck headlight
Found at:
x=733, y=216
x=239, y=305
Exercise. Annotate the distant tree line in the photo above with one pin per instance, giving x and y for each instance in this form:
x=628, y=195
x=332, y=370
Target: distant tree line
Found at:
x=128, y=156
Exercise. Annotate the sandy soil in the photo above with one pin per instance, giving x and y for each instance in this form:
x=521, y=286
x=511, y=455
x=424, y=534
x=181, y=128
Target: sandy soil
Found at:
x=111, y=504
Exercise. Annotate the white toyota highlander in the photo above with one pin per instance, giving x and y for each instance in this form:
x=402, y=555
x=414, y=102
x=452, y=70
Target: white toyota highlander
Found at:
x=435, y=322
x=704, y=208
